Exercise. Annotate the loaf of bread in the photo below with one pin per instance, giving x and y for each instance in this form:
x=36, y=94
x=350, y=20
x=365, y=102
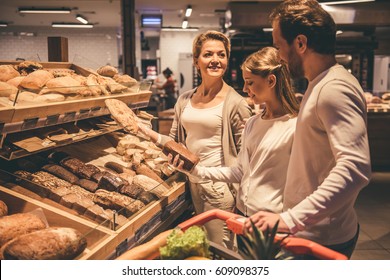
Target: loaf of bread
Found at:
x=50, y=97
x=3, y=209
x=14, y=225
x=143, y=169
x=150, y=185
x=86, y=171
x=139, y=193
x=23, y=96
x=61, y=172
x=107, y=70
x=123, y=115
x=87, y=184
x=36, y=79
x=15, y=81
x=174, y=148
x=58, y=193
x=7, y=72
x=54, y=243
x=118, y=202
x=64, y=85
x=110, y=182
x=6, y=89
x=116, y=167
x=72, y=164
x=48, y=180
x=125, y=80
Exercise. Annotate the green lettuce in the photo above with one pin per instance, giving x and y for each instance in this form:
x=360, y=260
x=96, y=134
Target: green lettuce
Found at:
x=193, y=242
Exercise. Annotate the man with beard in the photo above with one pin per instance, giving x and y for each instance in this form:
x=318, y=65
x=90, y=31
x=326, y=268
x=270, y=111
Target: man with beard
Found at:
x=330, y=160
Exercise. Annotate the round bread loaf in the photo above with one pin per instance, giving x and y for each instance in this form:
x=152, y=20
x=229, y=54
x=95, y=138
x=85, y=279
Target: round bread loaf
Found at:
x=53, y=243
x=107, y=70
x=3, y=209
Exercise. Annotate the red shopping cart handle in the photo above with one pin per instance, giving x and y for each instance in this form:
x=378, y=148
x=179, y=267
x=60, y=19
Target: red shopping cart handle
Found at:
x=235, y=223
x=300, y=246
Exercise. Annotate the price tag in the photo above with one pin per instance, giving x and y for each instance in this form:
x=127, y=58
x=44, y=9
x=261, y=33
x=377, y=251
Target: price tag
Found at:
x=69, y=116
x=83, y=113
x=29, y=123
x=52, y=119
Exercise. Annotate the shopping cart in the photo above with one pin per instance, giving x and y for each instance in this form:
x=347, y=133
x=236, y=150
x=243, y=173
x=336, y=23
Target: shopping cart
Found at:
x=235, y=223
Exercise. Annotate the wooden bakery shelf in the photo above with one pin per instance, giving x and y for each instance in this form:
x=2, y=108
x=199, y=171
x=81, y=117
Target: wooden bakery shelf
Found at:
x=102, y=241
x=24, y=117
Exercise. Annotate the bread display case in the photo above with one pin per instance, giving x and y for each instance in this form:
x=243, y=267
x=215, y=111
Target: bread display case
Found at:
x=378, y=125
x=72, y=163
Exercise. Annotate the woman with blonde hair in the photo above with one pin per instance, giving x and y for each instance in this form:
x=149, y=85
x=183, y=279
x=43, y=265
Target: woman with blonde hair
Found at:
x=208, y=121
x=267, y=137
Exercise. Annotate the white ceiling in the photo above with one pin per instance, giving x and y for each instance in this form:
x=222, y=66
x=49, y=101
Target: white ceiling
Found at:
x=106, y=13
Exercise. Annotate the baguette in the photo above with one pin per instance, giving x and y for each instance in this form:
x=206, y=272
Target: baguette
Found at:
x=147, y=251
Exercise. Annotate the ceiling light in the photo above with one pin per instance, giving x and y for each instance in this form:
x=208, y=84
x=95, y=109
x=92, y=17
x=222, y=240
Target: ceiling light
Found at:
x=184, y=24
x=170, y=28
x=70, y=25
x=3, y=24
x=81, y=19
x=340, y=2
x=268, y=29
x=44, y=10
x=151, y=20
x=188, y=11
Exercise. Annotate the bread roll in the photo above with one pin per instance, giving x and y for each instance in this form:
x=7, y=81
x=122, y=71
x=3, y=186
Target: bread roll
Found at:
x=107, y=71
x=3, y=209
x=36, y=80
x=17, y=224
x=386, y=96
x=54, y=243
x=23, y=97
x=125, y=80
x=64, y=85
x=7, y=89
x=7, y=72
x=50, y=97
x=15, y=81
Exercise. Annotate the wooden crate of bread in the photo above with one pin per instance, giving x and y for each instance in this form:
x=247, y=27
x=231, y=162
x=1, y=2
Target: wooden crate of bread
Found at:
x=19, y=203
